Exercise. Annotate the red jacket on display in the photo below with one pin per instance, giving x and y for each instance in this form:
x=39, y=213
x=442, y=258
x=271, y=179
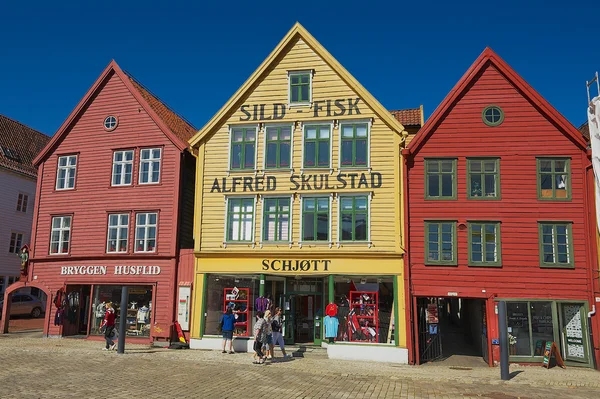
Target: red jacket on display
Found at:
x=331, y=310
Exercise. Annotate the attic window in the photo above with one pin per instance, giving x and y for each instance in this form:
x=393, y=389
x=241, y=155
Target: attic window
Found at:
x=10, y=154
x=110, y=123
x=492, y=115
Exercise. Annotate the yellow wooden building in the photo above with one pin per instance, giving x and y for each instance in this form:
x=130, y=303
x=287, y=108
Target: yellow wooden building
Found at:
x=298, y=205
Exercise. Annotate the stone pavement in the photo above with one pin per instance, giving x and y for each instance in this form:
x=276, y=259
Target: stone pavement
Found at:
x=71, y=368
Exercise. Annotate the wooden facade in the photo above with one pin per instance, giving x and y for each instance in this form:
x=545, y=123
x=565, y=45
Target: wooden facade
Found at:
x=89, y=264
x=530, y=132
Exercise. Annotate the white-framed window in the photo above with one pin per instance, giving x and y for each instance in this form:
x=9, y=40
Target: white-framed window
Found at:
x=354, y=218
x=60, y=236
x=110, y=123
x=315, y=225
x=145, y=232
x=278, y=146
x=240, y=219
x=354, y=144
x=316, y=146
x=16, y=242
x=22, y=201
x=300, y=87
x=277, y=219
x=65, y=174
x=150, y=165
x=122, y=169
x=118, y=233
x=242, y=147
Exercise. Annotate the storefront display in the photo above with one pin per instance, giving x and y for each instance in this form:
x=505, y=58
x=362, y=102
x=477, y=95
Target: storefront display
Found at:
x=363, y=320
x=137, y=310
x=238, y=300
x=221, y=291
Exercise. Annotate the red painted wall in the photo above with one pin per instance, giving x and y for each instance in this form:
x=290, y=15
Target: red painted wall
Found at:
x=93, y=199
x=524, y=134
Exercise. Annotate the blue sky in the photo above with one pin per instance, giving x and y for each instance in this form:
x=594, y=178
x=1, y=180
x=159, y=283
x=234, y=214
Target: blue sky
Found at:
x=195, y=55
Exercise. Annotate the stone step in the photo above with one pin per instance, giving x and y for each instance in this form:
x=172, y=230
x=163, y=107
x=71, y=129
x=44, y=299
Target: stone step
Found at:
x=305, y=351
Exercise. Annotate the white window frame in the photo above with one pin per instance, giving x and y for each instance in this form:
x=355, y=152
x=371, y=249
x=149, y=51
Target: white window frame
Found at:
x=123, y=164
x=69, y=169
x=146, y=227
x=292, y=128
x=253, y=231
x=330, y=241
x=118, y=227
x=262, y=220
x=331, y=125
x=369, y=196
x=152, y=161
x=24, y=203
x=18, y=242
x=311, y=73
x=341, y=123
x=61, y=231
x=257, y=130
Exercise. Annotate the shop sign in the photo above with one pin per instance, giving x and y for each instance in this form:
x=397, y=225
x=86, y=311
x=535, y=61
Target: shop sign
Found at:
x=297, y=265
x=116, y=270
x=298, y=182
x=276, y=111
x=432, y=313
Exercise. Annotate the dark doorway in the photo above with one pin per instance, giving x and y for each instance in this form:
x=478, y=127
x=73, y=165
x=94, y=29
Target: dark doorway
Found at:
x=76, y=316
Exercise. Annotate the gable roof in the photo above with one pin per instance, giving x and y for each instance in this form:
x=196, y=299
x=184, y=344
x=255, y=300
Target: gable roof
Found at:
x=177, y=129
x=410, y=116
x=297, y=32
x=487, y=57
x=585, y=131
x=19, y=145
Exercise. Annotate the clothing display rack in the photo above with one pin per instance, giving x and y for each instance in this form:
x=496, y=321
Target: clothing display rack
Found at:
x=238, y=299
x=363, y=319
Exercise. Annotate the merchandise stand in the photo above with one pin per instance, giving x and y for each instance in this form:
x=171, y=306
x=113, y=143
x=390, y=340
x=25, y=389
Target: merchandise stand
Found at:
x=241, y=308
x=363, y=320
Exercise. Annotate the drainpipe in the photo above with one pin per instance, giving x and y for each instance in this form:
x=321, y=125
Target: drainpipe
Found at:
x=590, y=314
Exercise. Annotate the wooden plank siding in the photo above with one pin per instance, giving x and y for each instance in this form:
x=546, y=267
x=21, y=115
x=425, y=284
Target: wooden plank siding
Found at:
x=525, y=134
x=93, y=199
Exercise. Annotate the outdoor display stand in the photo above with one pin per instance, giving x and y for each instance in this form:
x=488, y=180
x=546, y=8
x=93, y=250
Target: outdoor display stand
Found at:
x=551, y=351
x=239, y=300
x=363, y=319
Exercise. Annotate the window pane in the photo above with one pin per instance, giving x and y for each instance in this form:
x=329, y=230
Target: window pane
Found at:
x=250, y=135
x=323, y=204
x=546, y=166
x=346, y=204
x=346, y=152
x=304, y=92
x=360, y=230
x=347, y=227
x=272, y=154
x=518, y=328
x=249, y=156
x=309, y=205
x=309, y=154
x=238, y=135
x=433, y=166
x=542, y=328
x=323, y=227
x=323, y=153
x=308, y=229
x=361, y=130
x=490, y=185
x=324, y=132
x=284, y=154
x=236, y=156
x=447, y=166
x=433, y=185
x=347, y=131
x=475, y=166
x=361, y=152
x=285, y=133
x=295, y=94
x=447, y=190
x=311, y=133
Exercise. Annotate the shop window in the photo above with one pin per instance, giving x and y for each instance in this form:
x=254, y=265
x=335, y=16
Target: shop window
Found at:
x=150, y=165
x=240, y=219
x=483, y=178
x=137, y=310
x=123, y=168
x=65, y=174
x=556, y=247
x=16, y=242
x=554, y=178
x=317, y=146
x=300, y=87
x=354, y=144
x=118, y=233
x=484, y=244
x=440, y=243
x=278, y=147
x=354, y=215
x=365, y=309
x=22, y=202
x=243, y=148
x=315, y=219
x=216, y=302
x=145, y=232
x=60, y=235
x=276, y=219
x=440, y=176
x=530, y=325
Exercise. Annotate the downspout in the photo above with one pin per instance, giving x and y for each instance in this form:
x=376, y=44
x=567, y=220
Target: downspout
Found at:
x=408, y=289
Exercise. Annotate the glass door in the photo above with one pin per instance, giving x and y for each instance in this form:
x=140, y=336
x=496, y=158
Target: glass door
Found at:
x=573, y=332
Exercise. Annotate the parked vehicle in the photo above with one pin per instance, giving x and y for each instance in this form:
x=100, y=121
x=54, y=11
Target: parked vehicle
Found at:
x=25, y=304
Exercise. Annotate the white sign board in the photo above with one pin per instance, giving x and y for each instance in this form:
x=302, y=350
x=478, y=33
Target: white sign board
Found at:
x=183, y=308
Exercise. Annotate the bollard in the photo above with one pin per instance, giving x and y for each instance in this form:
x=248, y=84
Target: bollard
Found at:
x=503, y=329
x=122, y=320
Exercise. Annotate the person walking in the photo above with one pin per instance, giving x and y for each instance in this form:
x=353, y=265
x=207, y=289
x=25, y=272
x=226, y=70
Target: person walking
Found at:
x=268, y=344
x=260, y=336
x=277, y=327
x=227, y=326
x=109, y=326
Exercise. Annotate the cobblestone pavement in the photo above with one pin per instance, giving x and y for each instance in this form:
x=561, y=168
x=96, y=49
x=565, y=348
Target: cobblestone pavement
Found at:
x=70, y=368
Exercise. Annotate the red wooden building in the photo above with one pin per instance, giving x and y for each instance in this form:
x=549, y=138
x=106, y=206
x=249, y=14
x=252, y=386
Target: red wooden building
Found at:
x=114, y=207
x=499, y=209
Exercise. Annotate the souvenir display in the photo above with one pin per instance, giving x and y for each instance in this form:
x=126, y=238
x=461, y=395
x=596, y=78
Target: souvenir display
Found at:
x=238, y=300
x=363, y=317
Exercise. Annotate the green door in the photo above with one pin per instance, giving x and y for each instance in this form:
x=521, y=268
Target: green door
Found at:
x=573, y=328
x=289, y=313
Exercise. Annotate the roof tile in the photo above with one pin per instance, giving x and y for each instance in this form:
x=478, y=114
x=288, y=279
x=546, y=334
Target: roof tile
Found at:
x=408, y=117
x=22, y=144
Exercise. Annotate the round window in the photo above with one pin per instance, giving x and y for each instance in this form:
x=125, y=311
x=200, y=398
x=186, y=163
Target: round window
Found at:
x=493, y=115
x=110, y=123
